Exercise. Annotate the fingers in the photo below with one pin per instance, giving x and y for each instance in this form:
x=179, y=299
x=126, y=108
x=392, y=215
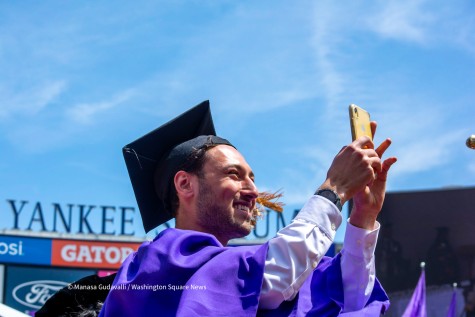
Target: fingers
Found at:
x=376, y=165
x=341, y=150
x=382, y=176
x=373, y=125
x=373, y=163
x=365, y=147
x=383, y=147
x=364, y=142
x=388, y=163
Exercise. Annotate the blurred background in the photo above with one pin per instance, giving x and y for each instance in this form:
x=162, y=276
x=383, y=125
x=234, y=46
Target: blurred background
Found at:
x=79, y=80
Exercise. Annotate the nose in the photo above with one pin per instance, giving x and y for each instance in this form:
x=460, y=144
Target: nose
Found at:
x=249, y=189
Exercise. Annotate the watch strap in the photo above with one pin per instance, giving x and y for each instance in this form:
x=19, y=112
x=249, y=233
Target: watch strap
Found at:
x=331, y=195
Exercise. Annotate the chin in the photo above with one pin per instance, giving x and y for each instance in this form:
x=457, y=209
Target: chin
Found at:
x=243, y=231
x=247, y=229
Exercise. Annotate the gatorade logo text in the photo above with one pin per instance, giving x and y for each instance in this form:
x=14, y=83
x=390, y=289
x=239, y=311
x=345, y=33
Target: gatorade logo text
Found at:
x=91, y=254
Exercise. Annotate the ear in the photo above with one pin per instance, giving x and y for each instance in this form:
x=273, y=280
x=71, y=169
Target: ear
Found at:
x=184, y=184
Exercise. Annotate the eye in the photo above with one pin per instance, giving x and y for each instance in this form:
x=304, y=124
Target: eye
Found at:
x=233, y=172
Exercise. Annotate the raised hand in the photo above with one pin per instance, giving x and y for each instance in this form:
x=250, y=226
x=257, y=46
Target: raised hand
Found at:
x=359, y=172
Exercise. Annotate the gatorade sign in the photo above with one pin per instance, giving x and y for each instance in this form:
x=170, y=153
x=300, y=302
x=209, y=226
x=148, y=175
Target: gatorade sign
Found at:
x=90, y=254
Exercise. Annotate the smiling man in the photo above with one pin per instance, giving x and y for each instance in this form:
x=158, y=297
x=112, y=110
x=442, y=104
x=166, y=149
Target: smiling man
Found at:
x=184, y=170
x=220, y=198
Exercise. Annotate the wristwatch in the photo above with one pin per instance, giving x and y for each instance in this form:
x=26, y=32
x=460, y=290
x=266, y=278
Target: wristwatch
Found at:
x=331, y=196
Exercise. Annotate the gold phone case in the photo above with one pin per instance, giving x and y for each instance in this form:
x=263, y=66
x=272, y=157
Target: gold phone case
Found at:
x=360, y=122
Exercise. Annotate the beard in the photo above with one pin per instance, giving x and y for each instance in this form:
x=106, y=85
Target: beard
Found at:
x=218, y=219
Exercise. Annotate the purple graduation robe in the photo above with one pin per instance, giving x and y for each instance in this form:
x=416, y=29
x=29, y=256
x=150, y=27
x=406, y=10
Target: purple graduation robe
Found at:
x=187, y=273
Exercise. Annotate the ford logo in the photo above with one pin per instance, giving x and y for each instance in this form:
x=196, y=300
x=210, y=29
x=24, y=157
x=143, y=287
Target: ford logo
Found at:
x=35, y=293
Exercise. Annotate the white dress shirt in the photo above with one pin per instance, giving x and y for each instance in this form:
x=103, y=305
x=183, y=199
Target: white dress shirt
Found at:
x=298, y=248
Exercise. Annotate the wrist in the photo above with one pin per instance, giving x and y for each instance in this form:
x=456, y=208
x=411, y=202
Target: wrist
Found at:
x=328, y=185
x=363, y=219
x=331, y=195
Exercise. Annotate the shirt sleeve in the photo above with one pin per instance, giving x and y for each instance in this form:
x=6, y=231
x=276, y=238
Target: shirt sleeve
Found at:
x=297, y=249
x=357, y=266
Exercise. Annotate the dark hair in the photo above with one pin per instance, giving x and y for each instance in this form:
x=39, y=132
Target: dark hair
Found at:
x=73, y=301
x=194, y=164
x=92, y=310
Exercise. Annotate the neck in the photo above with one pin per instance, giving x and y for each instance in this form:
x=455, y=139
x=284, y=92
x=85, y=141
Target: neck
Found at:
x=185, y=225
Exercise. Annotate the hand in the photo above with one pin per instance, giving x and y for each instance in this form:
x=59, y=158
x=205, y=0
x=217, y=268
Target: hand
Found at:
x=358, y=172
x=368, y=203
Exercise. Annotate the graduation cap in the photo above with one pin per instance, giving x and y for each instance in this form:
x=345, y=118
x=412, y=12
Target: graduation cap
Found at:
x=154, y=159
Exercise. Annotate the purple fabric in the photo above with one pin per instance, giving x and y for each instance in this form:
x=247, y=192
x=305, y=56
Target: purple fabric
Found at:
x=417, y=304
x=453, y=305
x=230, y=279
x=322, y=295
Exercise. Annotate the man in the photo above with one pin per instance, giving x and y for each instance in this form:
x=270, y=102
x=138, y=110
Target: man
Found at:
x=184, y=170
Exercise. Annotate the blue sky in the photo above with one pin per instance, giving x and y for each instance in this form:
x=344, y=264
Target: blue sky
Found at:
x=79, y=80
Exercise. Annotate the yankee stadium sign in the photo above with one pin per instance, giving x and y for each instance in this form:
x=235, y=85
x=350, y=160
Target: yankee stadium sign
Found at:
x=97, y=219
x=71, y=218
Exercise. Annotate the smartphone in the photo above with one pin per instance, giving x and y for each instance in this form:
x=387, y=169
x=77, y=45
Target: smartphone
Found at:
x=360, y=122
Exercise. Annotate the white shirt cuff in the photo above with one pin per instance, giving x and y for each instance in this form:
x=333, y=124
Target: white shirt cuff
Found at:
x=360, y=242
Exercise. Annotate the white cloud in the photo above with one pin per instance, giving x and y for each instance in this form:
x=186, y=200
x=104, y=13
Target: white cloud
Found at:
x=422, y=137
x=325, y=42
x=84, y=113
x=29, y=101
x=403, y=20
x=300, y=183
x=37, y=137
x=343, y=35
x=465, y=36
x=419, y=143
x=337, y=30
x=423, y=154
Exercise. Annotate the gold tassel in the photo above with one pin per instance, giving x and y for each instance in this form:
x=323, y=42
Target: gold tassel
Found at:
x=267, y=200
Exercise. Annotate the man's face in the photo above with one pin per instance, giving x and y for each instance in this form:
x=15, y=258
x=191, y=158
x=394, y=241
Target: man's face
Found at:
x=227, y=194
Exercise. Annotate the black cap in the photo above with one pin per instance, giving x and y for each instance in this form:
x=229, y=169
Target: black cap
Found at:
x=165, y=150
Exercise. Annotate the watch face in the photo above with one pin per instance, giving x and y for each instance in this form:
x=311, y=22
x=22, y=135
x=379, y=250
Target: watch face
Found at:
x=331, y=196
x=328, y=194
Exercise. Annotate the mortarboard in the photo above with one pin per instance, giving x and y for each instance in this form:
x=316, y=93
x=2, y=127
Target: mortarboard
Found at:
x=167, y=149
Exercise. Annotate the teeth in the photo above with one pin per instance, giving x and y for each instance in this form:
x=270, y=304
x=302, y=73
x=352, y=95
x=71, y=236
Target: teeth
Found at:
x=242, y=207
